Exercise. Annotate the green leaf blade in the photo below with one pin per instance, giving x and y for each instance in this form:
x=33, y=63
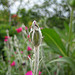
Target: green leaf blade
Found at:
x=53, y=41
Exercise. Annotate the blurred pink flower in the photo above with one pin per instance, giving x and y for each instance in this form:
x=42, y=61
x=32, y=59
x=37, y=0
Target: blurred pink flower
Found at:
x=26, y=27
x=29, y=40
x=12, y=64
x=30, y=73
x=7, y=37
x=28, y=36
x=5, y=40
x=29, y=56
x=60, y=56
x=19, y=30
x=40, y=73
x=21, y=52
x=28, y=48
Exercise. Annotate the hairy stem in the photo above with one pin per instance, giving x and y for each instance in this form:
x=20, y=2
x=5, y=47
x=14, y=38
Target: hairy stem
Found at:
x=36, y=61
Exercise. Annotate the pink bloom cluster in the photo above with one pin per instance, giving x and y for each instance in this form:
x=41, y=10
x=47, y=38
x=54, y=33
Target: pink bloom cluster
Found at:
x=6, y=38
x=28, y=48
x=60, y=56
x=28, y=36
x=12, y=64
x=30, y=73
x=21, y=52
x=29, y=56
x=19, y=30
x=29, y=40
x=26, y=27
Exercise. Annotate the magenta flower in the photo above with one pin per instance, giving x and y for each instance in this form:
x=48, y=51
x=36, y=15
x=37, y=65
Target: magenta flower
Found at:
x=26, y=27
x=5, y=40
x=29, y=56
x=7, y=37
x=19, y=30
x=29, y=40
x=28, y=48
x=21, y=52
x=12, y=64
x=28, y=36
x=60, y=56
x=30, y=73
x=40, y=73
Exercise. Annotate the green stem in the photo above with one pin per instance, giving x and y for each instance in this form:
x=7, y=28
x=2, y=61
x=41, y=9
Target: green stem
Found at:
x=70, y=36
x=70, y=31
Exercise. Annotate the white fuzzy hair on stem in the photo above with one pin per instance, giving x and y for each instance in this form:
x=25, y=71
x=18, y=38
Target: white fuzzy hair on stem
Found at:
x=36, y=40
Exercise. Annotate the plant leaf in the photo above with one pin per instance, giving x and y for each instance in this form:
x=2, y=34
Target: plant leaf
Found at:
x=53, y=41
x=61, y=33
x=66, y=60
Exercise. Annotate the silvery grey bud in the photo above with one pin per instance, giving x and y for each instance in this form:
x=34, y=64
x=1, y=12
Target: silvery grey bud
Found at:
x=36, y=34
x=36, y=38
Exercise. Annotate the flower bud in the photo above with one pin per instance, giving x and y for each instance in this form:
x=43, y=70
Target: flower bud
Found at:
x=36, y=34
x=36, y=38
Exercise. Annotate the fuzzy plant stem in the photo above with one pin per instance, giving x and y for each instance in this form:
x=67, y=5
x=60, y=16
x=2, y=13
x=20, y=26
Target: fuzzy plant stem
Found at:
x=36, y=60
x=36, y=40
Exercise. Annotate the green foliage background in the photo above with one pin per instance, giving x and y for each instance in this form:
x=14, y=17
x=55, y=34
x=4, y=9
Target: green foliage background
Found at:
x=55, y=33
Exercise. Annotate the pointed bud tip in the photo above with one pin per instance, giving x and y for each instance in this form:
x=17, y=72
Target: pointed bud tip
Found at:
x=34, y=22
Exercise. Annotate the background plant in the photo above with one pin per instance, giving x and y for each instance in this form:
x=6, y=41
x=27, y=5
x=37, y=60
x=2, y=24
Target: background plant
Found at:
x=57, y=52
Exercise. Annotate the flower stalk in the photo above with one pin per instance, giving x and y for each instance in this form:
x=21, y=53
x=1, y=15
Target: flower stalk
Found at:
x=36, y=60
x=70, y=31
x=36, y=41
x=70, y=37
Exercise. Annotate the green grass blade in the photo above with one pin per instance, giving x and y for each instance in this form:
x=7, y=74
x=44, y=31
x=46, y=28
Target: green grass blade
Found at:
x=66, y=60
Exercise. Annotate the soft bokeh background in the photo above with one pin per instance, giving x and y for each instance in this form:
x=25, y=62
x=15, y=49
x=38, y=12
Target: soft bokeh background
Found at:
x=48, y=13
x=53, y=14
